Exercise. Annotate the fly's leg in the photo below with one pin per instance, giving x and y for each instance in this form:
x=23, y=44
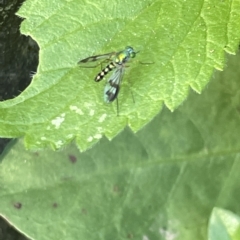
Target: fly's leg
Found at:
x=117, y=107
x=146, y=63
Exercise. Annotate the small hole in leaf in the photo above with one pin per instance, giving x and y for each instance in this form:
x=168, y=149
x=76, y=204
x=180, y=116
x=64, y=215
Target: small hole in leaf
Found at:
x=17, y=205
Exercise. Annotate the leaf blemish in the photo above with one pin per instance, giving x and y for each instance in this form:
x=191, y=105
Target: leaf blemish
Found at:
x=59, y=144
x=76, y=110
x=102, y=118
x=72, y=158
x=90, y=139
x=98, y=136
x=58, y=120
x=55, y=205
x=91, y=113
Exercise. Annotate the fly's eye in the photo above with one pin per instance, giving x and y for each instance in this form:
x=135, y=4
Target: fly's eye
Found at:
x=132, y=54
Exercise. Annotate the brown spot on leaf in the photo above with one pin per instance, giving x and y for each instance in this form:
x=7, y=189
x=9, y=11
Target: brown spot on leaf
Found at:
x=55, y=205
x=130, y=236
x=72, y=158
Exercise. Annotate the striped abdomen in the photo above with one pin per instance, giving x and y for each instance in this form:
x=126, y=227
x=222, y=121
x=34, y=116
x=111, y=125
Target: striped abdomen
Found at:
x=105, y=71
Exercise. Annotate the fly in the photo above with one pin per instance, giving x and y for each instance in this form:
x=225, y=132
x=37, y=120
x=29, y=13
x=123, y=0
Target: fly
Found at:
x=117, y=62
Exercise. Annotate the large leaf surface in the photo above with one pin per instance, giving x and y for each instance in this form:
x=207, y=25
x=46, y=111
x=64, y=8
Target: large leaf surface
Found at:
x=161, y=183
x=183, y=40
x=224, y=225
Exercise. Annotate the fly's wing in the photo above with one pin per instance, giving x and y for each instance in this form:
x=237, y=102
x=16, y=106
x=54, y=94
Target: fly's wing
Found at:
x=112, y=87
x=96, y=58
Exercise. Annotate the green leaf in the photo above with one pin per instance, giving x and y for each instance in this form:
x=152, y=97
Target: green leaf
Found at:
x=161, y=183
x=183, y=40
x=224, y=225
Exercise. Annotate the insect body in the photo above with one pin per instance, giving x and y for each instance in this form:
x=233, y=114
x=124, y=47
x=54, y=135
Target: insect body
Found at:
x=117, y=63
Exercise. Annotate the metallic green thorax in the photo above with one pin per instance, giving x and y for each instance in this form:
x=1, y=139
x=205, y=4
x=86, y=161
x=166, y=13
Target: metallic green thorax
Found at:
x=125, y=55
x=119, y=59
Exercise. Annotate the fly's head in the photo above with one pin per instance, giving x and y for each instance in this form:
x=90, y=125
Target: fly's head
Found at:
x=130, y=52
x=125, y=55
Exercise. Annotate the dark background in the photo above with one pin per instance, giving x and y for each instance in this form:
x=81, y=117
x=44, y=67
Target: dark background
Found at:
x=18, y=59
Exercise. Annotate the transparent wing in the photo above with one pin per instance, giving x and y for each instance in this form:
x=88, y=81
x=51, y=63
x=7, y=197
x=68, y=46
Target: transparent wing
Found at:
x=103, y=57
x=112, y=87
